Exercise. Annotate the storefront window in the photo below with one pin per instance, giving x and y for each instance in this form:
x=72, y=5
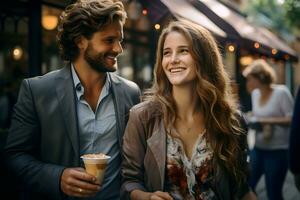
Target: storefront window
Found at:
x=135, y=62
x=13, y=62
x=50, y=57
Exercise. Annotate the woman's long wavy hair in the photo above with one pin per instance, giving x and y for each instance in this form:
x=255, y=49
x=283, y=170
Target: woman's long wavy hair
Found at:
x=223, y=128
x=84, y=18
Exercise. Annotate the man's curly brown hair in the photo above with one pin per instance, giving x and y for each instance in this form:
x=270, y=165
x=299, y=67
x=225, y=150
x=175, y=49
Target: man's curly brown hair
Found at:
x=84, y=18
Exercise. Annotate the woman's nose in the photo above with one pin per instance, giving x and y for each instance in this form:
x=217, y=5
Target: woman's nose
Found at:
x=174, y=59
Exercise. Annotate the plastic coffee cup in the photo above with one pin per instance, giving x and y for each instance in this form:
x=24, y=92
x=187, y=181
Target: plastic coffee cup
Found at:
x=95, y=164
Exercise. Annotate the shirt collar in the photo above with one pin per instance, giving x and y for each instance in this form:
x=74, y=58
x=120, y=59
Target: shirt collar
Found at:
x=80, y=89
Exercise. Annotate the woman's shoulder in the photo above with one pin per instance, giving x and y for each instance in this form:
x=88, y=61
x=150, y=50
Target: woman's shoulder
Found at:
x=147, y=109
x=281, y=90
x=280, y=87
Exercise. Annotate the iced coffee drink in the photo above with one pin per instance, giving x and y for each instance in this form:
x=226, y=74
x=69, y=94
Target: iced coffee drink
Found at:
x=95, y=164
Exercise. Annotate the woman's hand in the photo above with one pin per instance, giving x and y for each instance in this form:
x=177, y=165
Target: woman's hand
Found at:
x=249, y=196
x=158, y=195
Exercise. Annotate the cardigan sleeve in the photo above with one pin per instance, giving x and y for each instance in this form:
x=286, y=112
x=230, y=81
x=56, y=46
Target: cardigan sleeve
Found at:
x=133, y=152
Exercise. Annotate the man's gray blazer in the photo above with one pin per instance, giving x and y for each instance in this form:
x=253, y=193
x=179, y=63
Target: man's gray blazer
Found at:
x=43, y=138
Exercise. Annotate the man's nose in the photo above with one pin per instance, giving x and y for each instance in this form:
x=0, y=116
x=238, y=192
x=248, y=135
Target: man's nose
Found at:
x=118, y=47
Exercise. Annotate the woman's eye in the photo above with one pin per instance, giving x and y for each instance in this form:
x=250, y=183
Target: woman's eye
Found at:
x=184, y=50
x=166, y=53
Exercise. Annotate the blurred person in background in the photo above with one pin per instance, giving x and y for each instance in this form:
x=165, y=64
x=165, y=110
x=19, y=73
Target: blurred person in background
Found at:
x=186, y=140
x=79, y=109
x=294, y=148
x=272, y=107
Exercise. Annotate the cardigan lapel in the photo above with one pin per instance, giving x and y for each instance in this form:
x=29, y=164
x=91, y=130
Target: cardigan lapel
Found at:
x=66, y=98
x=157, y=144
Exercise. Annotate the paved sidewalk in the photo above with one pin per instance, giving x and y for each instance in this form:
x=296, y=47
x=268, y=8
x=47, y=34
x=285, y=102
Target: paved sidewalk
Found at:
x=290, y=191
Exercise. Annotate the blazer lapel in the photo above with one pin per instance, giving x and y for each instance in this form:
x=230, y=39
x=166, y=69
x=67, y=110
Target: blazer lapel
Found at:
x=157, y=144
x=117, y=93
x=66, y=98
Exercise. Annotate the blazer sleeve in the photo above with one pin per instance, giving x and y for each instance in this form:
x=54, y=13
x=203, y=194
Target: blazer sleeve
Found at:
x=134, y=148
x=22, y=148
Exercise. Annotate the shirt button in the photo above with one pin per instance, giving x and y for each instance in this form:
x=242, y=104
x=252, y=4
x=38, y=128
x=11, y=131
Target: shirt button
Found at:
x=78, y=88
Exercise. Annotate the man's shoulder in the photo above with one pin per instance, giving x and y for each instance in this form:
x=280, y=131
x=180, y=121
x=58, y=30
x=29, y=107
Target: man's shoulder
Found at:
x=45, y=82
x=52, y=75
x=124, y=82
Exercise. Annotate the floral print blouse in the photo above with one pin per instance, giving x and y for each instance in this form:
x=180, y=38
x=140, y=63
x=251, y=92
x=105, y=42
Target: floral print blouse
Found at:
x=189, y=179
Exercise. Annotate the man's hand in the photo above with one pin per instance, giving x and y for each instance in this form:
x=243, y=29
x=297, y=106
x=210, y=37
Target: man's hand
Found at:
x=77, y=183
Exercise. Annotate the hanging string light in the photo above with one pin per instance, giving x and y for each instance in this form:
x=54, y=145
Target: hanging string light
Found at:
x=157, y=26
x=145, y=11
x=274, y=51
x=17, y=53
x=231, y=48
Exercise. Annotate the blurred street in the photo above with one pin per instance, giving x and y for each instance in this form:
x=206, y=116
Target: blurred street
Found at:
x=290, y=192
x=245, y=31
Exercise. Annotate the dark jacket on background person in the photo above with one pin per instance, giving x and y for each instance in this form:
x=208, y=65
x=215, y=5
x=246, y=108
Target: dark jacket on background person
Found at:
x=294, y=146
x=144, y=156
x=44, y=138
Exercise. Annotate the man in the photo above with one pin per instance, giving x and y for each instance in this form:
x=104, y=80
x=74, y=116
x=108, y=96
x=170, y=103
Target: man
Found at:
x=294, y=148
x=79, y=109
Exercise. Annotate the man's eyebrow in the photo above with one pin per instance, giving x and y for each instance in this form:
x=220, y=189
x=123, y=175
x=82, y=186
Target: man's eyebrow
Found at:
x=113, y=37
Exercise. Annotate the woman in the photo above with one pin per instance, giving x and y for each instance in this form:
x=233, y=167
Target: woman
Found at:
x=272, y=107
x=185, y=140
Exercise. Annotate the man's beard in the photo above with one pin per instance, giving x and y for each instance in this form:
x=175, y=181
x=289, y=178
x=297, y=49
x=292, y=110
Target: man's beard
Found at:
x=97, y=61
